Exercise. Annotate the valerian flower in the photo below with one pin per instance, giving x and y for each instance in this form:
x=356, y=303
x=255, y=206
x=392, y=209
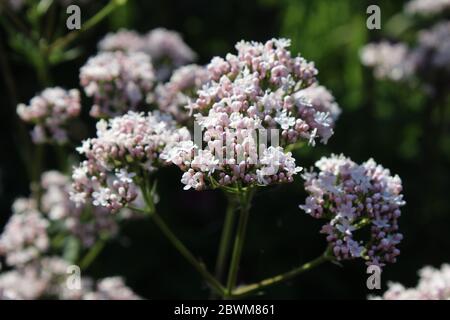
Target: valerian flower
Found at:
x=261, y=83
x=122, y=40
x=117, y=81
x=261, y=88
x=434, y=284
x=50, y=113
x=427, y=7
x=125, y=151
x=86, y=223
x=24, y=237
x=175, y=95
x=351, y=198
x=166, y=48
x=389, y=61
x=168, y=51
x=47, y=278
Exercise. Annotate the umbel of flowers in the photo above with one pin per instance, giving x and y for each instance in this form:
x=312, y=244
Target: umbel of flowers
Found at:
x=176, y=95
x=46, y=278
x=261, y=88
x=36, y=233
x=434, y=284
x=252, y=108
x=120, y=159
x=117, y=81
x=351, y=197
x=50, y=112
x=166, y=48
x=427, y=59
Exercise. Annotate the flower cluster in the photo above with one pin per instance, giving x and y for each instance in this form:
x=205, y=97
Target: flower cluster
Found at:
x=168, y=51
x=25, y=235
x=122, y=40
x=175, y=95
x=86, y=223
x=259, y=85
x=398, y=62
x=389, y=61
x=50, y=112
x=46, y=278
x=434, y=284
x=259, y=89
x=117, y=81
x=125, y=151
x=427, y=7
x=112, y=288
x=352, y=197
x=166, y=48
x=434, y=46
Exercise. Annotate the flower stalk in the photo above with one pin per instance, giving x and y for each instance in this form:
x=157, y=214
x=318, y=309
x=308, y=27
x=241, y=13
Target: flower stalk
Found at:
x=245, y=198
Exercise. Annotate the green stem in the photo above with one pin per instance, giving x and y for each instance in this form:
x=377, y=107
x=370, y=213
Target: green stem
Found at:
x=253, y=288
x=92, y=254
x=245, y=198
x=98, y=17
x=200, y=267
x=148, y=193
x=225, y=241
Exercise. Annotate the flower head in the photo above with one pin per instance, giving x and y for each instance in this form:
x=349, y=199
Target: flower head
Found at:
x=117, y=81
x=434, y=284
x=25, y=235
x=50, y=112
x=352, y=197
x=126, y=149
x=175, y=96
x=168, y=51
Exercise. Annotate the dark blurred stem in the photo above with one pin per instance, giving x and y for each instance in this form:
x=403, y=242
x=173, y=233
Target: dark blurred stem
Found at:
x=254, y=288
x=92, y=254
x=36, y=173
x=21, y=139
x=63, y=161
x=98, y=17
x=200, y=267
x=177, y=243
x=225, y=240
x=245, y=199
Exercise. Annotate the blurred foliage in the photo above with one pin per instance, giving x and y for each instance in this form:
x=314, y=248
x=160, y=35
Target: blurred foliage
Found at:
x=382, y=120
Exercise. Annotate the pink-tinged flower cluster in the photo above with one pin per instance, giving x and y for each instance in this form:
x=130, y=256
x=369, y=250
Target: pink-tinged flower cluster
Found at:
x=124, y=152
x=40, y=278
x=47, y=278
x=398, y=62
x=87, y=223
x=122, y=40
x=261, y=88
x=260, y=85
x=166, y=48
x=117, y=81
x=24, y=237
x=168, y=51
x=352, y=198
x=389, y=61
x=434, y=284
x=235, y=164
x=434, y=46
x=175, y=95
x=112, y=288
x=427, y=7
x=50, y=112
